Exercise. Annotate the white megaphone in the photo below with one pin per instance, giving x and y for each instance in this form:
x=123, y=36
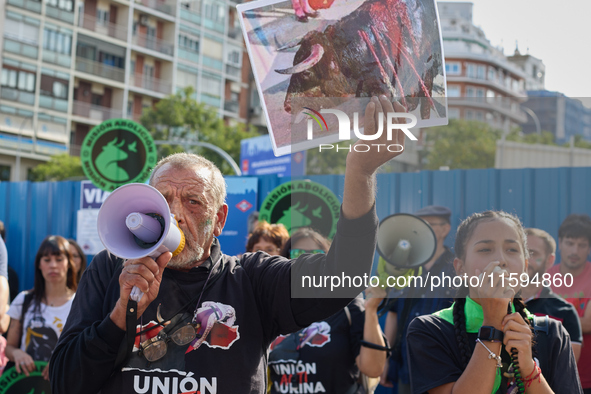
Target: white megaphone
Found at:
x=135, y=222
x=405, y=242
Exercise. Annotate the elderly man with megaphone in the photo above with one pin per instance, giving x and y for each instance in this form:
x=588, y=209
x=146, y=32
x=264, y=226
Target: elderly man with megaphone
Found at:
x=202, y=321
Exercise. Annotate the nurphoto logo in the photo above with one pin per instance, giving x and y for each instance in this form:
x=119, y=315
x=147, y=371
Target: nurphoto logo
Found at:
x=345, y=129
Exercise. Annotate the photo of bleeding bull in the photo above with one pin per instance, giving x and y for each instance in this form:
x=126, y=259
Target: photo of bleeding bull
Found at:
x=315, y=54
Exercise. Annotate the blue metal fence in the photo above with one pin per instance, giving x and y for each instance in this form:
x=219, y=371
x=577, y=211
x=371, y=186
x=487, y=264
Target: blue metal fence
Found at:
x=540, y=197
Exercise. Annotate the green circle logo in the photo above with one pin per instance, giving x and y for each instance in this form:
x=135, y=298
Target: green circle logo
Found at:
x=13, y=382
x=117, y=152
x=302, y=204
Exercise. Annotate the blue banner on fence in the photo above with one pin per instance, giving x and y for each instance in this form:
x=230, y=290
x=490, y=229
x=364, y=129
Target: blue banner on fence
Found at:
x=241, y=200
x=257, y=158
x=91, y=196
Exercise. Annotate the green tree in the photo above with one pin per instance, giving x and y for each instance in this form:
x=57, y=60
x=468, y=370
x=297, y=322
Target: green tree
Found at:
x=545, y=138
x=579, y=143
x=327, y=161
x=461, y=145
x=182, y=120
x=58, y=168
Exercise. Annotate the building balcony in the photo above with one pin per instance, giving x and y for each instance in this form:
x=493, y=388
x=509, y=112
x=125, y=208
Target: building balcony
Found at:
x=188, y=55
x=162, y=6
x=234, y=72
x=60, y=14
x=150, y=83
x=14, y=95
x=232, y=106
x=190, y=16
x=104, y=28
x=153, y=43
x=13, y=45
x=31, y=5
x=100, y=70
x=56, y=58
x=53, y=103
x=95, y=112
x=235, y=33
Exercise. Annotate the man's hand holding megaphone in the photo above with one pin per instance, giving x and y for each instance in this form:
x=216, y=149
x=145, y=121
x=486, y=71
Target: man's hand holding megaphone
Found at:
x=144, y=273
x=135, y=224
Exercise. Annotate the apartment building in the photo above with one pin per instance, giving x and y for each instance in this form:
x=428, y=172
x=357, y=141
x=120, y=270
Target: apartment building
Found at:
x=482, y=84
x=68, y=65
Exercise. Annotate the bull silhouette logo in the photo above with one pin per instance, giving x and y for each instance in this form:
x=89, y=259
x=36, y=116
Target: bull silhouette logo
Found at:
x=107, y=161
x=295, y=217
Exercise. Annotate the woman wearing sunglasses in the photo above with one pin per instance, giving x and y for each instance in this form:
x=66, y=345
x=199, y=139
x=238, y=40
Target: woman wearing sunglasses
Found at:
x=327, y=356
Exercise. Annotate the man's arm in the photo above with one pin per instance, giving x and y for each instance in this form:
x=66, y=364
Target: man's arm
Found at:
x=361, y=167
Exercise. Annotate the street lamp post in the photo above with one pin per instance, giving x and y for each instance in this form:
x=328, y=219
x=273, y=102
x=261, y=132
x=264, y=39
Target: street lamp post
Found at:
x=534, y=117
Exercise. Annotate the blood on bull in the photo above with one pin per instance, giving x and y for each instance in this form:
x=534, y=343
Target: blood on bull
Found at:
x=388, y=47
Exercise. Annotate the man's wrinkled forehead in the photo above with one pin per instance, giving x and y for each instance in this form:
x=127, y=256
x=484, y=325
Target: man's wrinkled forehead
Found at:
x=170, y=172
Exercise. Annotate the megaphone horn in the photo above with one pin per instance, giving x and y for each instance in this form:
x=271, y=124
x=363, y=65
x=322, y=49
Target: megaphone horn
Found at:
x=405, y=241
x=135, y=222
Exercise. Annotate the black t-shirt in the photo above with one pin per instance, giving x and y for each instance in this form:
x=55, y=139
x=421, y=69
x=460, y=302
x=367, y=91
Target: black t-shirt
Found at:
x=248, y=303
x=557, y=308
x=435, y=359
x=321, y=357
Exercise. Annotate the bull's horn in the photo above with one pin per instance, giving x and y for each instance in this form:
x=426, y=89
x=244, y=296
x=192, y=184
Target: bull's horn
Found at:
x=315, y=56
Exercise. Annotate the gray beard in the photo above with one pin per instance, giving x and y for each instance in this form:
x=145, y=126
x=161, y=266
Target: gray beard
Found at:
x=186, y=261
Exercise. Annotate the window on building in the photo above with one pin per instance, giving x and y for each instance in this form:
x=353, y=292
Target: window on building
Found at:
x=67, y=5
x=112, y=60
x=186, y=78
x=471, y=70
x=470, y=92
x=453, y=68
x=60, y=90
x=102, y=17
x=4, y=173
x=149, y=71
x=480, y=93
x=189, y=43
x=96, y=99
x=453, y=113
x=453, y=91
x=469, y=114
x=20, y=28
x=54, y=83
x=151, y=32
x=234, y=57
x=492, y=74
x=211, y=84
x=481, y=72
x=56, y=41
x=18, y=79
x=214, y=11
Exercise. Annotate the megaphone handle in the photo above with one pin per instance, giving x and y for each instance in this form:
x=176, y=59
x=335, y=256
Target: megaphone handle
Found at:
x=136, y=294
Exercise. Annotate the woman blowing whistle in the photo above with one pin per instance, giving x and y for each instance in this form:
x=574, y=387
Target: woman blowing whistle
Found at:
x=476, y=346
